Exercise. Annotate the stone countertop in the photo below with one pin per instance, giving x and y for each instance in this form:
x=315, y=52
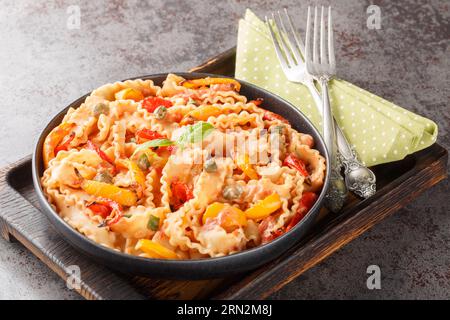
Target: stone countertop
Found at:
x=45, y=66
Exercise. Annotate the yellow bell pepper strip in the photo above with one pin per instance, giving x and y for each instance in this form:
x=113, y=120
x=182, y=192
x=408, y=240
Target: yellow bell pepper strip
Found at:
x=212, y=211
x=122, y=196
x=155, y=250
x=136, y=173
x=264, y=208
x=53, y=139
x=197, y=83
x=129, y=94
x=230, y=217
x=243, y=162
x=201, y=113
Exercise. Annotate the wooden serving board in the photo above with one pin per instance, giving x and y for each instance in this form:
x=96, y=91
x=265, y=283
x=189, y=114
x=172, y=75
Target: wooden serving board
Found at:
x=398, y=184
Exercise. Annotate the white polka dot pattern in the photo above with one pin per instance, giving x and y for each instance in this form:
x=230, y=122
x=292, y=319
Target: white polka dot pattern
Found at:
x=379, y=130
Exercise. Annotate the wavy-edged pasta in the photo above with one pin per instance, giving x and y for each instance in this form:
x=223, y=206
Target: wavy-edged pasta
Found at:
x=188, y=170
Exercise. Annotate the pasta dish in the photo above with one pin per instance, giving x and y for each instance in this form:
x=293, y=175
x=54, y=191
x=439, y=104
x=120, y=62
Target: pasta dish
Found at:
x=187, y=170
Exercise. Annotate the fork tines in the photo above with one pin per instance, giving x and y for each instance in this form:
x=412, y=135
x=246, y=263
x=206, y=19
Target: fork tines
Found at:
x=323, y=60
x=289, y=47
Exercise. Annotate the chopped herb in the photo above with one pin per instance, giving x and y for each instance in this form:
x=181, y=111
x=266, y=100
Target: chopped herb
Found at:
x=127, y=215
x=153, y=223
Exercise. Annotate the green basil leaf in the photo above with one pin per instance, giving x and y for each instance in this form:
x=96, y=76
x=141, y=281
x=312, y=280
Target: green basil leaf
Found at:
x=153, y=144
x=153, y=223
x=195, y=133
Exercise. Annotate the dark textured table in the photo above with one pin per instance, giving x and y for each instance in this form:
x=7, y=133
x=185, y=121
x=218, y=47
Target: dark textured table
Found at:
x=45, y=65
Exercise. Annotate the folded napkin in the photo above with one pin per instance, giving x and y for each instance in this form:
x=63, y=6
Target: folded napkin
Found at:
x=379, y=130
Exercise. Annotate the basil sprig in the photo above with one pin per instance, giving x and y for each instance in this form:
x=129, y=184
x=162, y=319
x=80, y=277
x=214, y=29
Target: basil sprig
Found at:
x=191, y=134
x=153, y=144
x=195, y=133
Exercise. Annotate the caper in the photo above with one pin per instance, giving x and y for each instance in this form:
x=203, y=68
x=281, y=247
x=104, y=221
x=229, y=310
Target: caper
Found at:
x=143, y=162
x=160, y=112
x=101, y=108
x=103, y=176
x=210, y=165
x=232, y=192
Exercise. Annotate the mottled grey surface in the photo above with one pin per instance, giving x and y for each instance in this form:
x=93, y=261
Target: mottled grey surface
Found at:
x=44, y=66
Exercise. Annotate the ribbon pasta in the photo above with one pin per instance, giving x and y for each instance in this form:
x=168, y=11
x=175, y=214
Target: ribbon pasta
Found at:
x=135, y=174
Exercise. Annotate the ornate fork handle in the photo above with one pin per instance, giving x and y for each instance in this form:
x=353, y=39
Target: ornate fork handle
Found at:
x=358, y=178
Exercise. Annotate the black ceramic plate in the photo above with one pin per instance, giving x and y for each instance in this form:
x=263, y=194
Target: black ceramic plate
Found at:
x=188, y=269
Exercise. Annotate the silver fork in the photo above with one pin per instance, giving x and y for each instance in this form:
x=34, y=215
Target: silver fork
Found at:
x=358, y=178
x=291, y=63
x=323, y=69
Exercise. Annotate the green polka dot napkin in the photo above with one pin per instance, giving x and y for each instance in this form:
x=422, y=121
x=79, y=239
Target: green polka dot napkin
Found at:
x=379, y=130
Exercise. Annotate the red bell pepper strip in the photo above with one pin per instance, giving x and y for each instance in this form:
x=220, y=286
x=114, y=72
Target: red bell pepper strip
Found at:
x=66, y=144
x=152, y=103
x=104, y=156
x=100, y=209
x=268, y=223
x=257, y=102
x=181, y=193
x=306, y=203
x=119, y=212
x=270, y=116
x=295, y=163
x=147, y=134
x=106, y=206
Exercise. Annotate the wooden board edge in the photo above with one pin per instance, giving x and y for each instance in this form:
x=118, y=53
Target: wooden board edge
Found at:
x=262, y=284
x=216, y=62
x=5, y=171
x=15, y=205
